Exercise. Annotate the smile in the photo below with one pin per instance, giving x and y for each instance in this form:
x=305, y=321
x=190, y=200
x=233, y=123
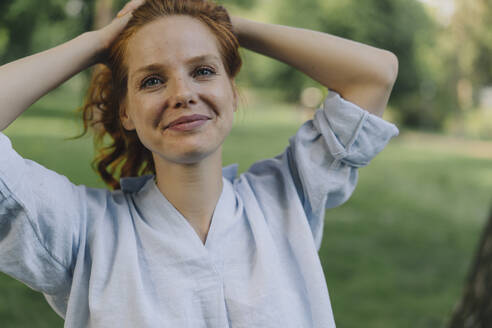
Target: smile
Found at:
x=187, y=119
x=188, y=126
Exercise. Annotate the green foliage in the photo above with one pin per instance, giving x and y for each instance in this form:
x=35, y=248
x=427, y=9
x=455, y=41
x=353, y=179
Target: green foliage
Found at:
x=470, y=32
x=400, y=26
x=27, y=27
x=244, y=4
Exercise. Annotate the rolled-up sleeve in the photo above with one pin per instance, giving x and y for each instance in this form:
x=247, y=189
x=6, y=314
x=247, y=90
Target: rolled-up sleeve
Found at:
x=41, y=214
x=326, y=152
x=320, y=165
x=352, y=135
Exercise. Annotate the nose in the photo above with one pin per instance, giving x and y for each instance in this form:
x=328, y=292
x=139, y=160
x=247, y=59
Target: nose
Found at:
x=181, y=94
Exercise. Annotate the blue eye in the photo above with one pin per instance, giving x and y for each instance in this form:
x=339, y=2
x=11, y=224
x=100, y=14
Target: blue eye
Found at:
x=204, y=71
x=150, y=82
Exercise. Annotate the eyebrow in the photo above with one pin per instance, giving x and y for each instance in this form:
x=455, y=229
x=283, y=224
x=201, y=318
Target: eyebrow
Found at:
x=192, y=60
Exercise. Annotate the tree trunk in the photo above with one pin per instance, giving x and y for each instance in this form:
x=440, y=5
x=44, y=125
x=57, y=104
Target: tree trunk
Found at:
x=475, y=308
x=103, y=14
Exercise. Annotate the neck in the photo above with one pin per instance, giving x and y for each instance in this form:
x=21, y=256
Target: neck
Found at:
x=193, y=189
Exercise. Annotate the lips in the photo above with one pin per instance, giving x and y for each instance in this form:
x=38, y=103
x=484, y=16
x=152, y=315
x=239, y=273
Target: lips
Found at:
x=185, y=119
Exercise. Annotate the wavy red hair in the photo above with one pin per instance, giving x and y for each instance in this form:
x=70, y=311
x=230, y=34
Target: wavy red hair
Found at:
x=119, y=152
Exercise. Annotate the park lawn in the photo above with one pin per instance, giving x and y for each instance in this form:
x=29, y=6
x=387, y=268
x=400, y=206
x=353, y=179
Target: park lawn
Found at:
x=395, y=255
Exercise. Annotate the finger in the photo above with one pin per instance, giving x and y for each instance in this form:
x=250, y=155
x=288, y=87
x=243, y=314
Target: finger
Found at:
x=123, y=10
x=122, y=13
x=129, y=7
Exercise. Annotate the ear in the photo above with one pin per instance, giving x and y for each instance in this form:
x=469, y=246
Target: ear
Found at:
x=126, y=120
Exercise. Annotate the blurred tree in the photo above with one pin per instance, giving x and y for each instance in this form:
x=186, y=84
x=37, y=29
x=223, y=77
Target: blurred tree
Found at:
x=475, y=308
x=26, y=27
x=245, y=4
x=103, y=13
x=471, y=38
x=401, y=26
x=471, y=52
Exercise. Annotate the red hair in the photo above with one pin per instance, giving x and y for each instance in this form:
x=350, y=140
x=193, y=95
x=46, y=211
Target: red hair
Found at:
x=119, y=152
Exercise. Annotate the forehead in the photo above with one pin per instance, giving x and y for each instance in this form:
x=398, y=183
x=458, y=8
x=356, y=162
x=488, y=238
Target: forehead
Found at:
x=170, y=41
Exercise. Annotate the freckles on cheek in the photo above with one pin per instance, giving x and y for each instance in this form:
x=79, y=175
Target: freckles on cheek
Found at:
x=221, y=100
x=147, y=113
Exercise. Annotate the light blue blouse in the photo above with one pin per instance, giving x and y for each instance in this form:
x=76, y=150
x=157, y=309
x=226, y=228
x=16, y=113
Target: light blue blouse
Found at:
x=129, y=259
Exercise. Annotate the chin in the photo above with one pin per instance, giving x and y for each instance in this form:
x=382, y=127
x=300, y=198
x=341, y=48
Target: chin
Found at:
x=190, y=149
x=191, y=156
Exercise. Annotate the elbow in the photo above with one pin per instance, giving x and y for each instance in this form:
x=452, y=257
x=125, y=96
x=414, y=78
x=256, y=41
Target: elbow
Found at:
x=381, y=72
x=389, y=71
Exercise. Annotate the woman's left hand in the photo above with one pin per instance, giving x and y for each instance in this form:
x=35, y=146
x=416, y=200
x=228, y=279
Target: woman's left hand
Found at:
x=130, y=6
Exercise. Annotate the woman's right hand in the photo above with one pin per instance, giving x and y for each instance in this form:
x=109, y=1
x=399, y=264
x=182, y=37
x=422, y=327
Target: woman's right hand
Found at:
x=108, y=34
x=48, y=69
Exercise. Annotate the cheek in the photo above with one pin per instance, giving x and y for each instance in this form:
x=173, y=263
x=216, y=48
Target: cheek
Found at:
x=223, y=96
x=225, y=108
x=228, y=106
x=226, y=122
x=145, y=111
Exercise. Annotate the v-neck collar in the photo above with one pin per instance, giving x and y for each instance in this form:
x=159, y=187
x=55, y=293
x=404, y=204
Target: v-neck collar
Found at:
x=161, y=215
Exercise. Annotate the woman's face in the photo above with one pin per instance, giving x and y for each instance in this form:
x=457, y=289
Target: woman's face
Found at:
x=175, y=70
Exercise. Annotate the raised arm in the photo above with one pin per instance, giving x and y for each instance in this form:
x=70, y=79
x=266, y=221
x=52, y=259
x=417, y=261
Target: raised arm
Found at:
x=360, y=73
x=24, y=81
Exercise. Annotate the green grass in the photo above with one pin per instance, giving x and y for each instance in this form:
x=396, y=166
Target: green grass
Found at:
x=395, y=255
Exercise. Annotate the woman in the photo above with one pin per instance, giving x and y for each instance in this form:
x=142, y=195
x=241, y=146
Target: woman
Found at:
x=197, y=246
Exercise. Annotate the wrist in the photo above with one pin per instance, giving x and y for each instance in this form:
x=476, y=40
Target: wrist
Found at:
x=237, y=26
x=246, y=31
x=98, y=45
